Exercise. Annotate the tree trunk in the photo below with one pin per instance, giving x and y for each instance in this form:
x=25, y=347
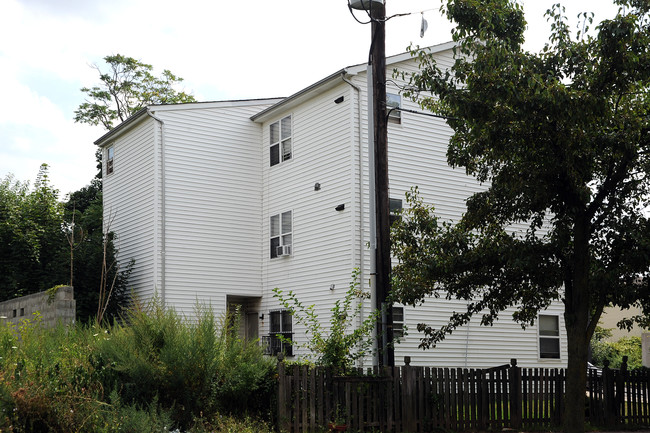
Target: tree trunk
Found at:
x=576, y=317
x=576, y=378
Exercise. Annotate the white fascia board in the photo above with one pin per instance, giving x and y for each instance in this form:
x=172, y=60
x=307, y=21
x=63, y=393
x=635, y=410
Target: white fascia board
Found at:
x=303, y=95
x=140, y=114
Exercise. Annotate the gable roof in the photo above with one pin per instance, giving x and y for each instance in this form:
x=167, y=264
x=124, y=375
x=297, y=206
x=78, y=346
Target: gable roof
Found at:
x=333, y=79
x=140, y=114
x=280, y=103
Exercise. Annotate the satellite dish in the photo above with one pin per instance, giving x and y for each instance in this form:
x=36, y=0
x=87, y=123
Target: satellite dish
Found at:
x=365, y=4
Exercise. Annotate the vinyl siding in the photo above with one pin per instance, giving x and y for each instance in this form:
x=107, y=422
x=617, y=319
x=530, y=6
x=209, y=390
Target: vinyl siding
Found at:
x=130, y=205
x=325, y=249
x=213, y=202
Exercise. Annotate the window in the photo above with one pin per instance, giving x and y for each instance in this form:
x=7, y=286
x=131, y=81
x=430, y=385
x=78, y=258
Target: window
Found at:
x=549, y=336
x=109, y=160
x=395, y=206
x=393, y=102
x=281, y=234
x=280, y=133
x=281, y=326
x=398, y=323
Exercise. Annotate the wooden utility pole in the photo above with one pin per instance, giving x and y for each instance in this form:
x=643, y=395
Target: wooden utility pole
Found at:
x=382, y=203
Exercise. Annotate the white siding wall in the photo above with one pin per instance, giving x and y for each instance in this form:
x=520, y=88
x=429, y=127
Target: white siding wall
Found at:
x=213, y=202
x=325, y=250
x=129, y=203
x=323, y=239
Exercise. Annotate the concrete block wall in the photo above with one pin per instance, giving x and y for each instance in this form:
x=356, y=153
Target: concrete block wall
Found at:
x=55, y=306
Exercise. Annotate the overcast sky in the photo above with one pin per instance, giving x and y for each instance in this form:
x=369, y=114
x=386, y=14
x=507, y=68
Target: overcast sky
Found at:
x=223, y=50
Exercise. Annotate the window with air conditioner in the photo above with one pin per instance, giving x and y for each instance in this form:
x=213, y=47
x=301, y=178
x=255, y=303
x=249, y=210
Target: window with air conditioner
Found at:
x=549, y=336
x=281, y=234
x=280, y=140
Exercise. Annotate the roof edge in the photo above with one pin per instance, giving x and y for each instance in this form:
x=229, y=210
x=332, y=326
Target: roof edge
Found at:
x=298, y=94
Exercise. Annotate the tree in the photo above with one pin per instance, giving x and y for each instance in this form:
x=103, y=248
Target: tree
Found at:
x=31, y=239
x=561, y=139
x=92, y=252
x=34, y=250
x=125, y=88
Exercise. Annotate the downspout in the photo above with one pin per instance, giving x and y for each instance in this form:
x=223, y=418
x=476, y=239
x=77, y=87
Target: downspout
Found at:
x=357, y=146
x=162, y=204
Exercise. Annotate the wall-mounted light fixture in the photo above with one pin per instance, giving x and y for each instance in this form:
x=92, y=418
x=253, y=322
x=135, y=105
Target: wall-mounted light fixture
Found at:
x=339, y=100
x=332, y=286
x=317, y=186
x=262, y=316
x=340, y=207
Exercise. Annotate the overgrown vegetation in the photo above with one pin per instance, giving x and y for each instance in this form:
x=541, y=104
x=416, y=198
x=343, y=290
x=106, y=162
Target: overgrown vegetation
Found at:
x=36, y=242
x=614, y=351
x=342, y=343
x=159, y=373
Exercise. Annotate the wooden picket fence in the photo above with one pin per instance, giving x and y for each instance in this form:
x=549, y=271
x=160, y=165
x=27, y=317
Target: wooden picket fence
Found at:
x=421, y=399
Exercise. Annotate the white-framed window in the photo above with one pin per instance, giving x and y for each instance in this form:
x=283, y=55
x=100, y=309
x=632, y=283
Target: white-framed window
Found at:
x=110, y=153
x=394, y=101
x=281, y=326
x=280, y=136
x=549, y=336
x=398, y=323
x=281, y=234
x=395, y=206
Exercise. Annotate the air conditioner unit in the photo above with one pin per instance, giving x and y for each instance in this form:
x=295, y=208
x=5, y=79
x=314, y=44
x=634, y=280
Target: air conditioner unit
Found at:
x=283, y=250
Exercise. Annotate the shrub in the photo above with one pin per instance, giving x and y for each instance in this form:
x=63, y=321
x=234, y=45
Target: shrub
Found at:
x=342, y=344
x=193, y=369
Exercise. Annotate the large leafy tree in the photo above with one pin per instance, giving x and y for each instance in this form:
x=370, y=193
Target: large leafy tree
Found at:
x=127, y=86
x=31, y=239
x=35, y=251
x=561, y=139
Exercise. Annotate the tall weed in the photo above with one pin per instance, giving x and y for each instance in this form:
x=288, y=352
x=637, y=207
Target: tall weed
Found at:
x=194, y=369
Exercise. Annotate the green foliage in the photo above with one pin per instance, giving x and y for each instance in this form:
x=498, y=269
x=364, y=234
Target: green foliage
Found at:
x=192, y=368
x=87, y=208
x=127, y=86
x=343, y=342
x=31, y=239
x=85, y=378
x=602, y=350
x=35, y=250
x=561, y=140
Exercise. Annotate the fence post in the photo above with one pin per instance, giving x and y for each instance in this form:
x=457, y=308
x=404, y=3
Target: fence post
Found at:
x=515, y=394
x=483, y=408
x=609, y=403
x=284, y=423
x=620, y=391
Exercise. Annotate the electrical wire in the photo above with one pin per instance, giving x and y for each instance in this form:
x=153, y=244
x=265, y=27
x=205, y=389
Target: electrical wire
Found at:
x=438, y=116
x=367, y=11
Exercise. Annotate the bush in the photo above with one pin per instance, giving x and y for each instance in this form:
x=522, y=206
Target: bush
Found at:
x=614, y=351
x=159, y=373
x=194, y=369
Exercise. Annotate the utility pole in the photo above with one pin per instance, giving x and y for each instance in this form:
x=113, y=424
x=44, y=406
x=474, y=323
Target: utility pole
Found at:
x=382, y=202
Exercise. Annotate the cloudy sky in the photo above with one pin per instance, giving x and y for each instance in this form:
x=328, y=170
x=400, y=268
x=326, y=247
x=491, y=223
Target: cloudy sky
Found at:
x=223, y=50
